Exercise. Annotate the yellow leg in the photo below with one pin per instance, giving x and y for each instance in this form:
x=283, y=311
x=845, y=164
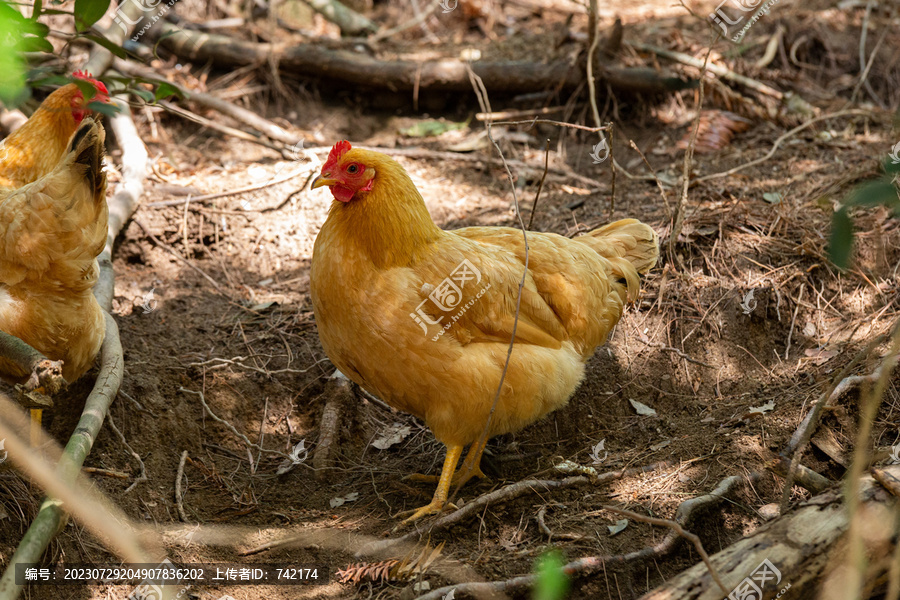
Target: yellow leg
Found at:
x=36, y=414
x=471, y=467
x=443, y=487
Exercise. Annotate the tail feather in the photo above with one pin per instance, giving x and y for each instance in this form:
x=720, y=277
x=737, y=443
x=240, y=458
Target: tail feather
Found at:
x=630, y=246
x=87, y=145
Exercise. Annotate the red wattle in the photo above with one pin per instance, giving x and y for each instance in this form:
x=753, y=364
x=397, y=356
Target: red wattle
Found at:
x=342, y=193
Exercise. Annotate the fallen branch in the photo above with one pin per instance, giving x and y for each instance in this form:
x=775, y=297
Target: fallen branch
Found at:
x=43, y=372
x=237, y=133
x=720, y=71
x=126, y=199
x=583, y=567
x=521, y=488
x=51, y=516
x=243, y=190
x=240, y=114
x=801, y=474
x=841, y=384
x=401, y=75
x=341, y=391
x=808, y=544
x=351, y=22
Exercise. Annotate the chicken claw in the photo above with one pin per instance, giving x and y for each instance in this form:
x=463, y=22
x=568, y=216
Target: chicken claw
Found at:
x=432, y=508
x=470, y=468
x=443, y=488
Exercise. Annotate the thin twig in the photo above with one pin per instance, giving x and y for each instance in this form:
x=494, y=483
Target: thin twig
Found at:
x=778, y=142
x=135, y=455
x=174, y=253
x=864, y=64
x=243, y=190
x=787, y=347
x=231, y=427
x=688, y=156
x=484, y=102
x=588, y=565
x=420, y=18
x=237, y=133
x=521, y=488
x=179, y=475
x=537, y=195
x=662, y=191
x=841, y=383
x=677, y=528
x=531, y=122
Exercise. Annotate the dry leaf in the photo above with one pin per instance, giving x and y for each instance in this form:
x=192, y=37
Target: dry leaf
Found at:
x=394, y=434
x=716, y=129
x=620, y=526
x=642, y=409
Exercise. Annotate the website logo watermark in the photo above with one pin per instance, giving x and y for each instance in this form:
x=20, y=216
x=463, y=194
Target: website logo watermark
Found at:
x=149, y=590
x=600, y=151
x=149, y=303
x=895, y=154
x=448, y=296
x=751, y=588
x=735, y=17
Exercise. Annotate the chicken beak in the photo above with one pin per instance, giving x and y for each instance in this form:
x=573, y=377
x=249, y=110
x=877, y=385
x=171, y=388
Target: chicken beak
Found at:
x=323, y=179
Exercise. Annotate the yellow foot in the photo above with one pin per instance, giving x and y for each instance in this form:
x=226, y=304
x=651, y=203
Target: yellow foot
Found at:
x=432, y=508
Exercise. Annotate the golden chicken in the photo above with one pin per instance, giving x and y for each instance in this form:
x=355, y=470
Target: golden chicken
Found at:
x=423, y=317
x=53, y=224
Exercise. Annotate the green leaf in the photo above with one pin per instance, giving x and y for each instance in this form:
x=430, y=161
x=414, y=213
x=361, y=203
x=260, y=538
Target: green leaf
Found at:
x=35, y=44
x=36, y=10
x=551, y=583
x=13, y=90
x=165, y=90
x=110, y=110
x=143, y=94
x=38, y=29
x=88, y=12
x=873, y=193
x=87, y=88
x=37, y=78
x=892, y=162
x=841, y=244
x=112, y=47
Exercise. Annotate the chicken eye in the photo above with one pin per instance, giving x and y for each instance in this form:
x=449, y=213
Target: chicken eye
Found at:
x=352, y=169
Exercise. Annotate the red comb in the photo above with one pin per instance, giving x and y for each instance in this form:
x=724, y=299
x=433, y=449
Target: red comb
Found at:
x=337, y=151
x=101, y=89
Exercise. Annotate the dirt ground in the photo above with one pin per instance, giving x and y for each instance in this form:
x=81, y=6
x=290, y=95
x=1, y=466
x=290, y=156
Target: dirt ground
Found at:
x=748, y=312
